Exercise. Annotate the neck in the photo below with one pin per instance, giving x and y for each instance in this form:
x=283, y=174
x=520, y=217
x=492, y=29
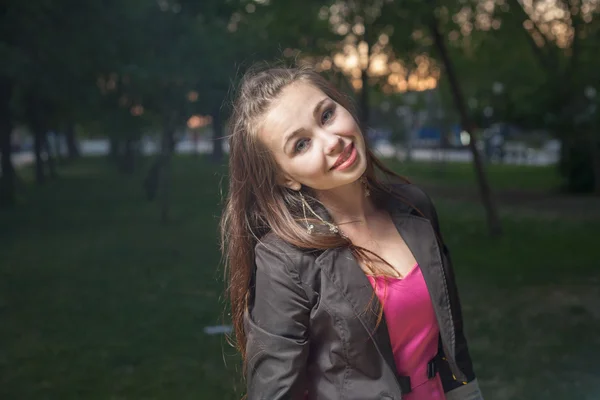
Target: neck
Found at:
x=348, y=204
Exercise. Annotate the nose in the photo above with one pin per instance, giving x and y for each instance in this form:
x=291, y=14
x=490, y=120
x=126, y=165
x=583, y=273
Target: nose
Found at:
x=333, y=144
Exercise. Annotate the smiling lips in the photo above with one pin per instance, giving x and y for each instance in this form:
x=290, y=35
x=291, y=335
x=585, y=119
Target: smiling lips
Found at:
x=345, y=159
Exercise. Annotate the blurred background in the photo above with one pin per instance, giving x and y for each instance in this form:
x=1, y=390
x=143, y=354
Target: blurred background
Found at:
x=113, y=117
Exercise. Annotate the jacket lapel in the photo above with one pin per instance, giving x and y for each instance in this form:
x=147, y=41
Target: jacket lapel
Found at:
x=343, y=270
x=422, y=241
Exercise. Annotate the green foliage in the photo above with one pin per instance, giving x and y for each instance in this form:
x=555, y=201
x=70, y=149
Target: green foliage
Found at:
x=93, y=63
x=53, y=51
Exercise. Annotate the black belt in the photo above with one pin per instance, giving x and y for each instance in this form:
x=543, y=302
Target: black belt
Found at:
x=432, y=370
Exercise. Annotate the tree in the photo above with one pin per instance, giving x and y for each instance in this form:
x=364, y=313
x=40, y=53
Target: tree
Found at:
x=7, y=179
x=51, y=65
x=544, y=51
x=420, y=18
x=459, y=101
x=564, y=47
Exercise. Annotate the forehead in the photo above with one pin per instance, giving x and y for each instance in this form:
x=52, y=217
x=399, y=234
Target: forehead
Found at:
x=294, y=92
x=291, y=109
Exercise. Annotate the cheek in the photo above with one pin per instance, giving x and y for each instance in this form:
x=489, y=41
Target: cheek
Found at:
x=310, y=166
x=309, y=169
x=347, y=125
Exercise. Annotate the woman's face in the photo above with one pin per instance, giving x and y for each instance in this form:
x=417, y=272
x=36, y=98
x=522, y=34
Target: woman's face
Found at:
x=315, y=141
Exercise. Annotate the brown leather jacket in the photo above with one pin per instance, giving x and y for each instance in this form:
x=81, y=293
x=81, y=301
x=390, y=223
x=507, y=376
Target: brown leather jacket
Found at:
x=312, y=320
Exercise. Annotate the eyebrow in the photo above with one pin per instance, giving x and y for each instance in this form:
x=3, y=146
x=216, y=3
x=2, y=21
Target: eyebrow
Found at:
x=288, y=137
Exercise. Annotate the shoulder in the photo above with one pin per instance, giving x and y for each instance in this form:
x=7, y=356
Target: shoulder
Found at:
x=413, y=199
x=278, y=259
x=281, y=267
x=273, y=247
x=274, y=255
x=271, y=243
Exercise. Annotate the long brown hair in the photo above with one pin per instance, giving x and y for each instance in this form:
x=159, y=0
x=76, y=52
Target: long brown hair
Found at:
x=256, y=204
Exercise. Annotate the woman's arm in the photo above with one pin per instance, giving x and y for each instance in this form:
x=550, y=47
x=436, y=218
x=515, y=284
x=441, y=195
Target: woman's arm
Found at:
x=276, y=328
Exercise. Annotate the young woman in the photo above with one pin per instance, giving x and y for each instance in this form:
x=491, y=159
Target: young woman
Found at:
x=340, y=284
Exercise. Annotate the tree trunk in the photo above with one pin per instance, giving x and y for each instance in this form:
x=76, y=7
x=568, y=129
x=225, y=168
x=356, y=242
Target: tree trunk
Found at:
x=113, y=152
x=172, y=142
x=364, y=103
x=127, y=157
x=165, y=169
x=195, y=141
x=38, y=139
x=412, y=125
x=7, y=178
x=459, y=101
x=35, y=116
x=71, y=141
x=364, y=77
x=151, y=180
x=595, y=150
x=50, y=161
x=217, y=127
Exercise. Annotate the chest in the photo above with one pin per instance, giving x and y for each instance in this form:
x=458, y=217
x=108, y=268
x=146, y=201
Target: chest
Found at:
x=382, y=240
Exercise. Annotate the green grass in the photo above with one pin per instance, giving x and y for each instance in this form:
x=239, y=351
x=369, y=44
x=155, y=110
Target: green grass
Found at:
x=98, y=300
x=501, y=177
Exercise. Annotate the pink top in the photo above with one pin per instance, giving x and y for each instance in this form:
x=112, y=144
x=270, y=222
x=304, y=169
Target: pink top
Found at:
x=413, y=330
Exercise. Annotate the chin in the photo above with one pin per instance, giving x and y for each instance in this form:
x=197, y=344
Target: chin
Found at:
x=362, y=167
x=355, y=176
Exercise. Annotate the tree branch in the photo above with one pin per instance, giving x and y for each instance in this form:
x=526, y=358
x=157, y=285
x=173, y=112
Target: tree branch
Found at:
x=541, y=56
x=575, y=44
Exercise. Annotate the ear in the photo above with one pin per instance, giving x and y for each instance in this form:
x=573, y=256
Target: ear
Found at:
x=290, y=183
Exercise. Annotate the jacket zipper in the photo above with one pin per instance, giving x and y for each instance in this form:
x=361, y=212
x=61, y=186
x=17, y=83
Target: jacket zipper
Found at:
x=457, y=374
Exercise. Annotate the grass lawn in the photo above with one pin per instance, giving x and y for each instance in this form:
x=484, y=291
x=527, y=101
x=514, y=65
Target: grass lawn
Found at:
x=99, y=301
x=462, y=175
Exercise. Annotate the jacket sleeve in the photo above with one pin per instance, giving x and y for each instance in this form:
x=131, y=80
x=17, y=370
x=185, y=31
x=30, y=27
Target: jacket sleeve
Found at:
x=276, y=325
